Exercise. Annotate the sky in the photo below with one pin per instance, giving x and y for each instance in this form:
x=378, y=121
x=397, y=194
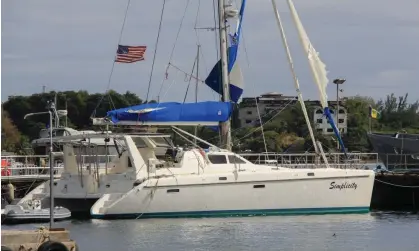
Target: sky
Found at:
x=70, y=45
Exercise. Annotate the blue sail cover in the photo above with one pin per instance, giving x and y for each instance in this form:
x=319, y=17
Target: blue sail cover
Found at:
x=335, y=129
x=236, y=83
x=201, y=112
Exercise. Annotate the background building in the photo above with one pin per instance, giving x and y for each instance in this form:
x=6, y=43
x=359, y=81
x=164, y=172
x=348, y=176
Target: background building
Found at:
x=248, y=111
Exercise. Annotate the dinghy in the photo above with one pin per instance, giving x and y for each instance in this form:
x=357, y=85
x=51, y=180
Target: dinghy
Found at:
x=32, y=212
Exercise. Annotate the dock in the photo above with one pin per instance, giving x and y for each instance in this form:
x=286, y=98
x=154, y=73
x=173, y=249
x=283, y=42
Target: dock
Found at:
x=25, y=240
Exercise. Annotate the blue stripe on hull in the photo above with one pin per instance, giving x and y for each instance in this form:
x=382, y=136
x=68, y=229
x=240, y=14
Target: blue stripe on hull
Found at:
x=237, y=213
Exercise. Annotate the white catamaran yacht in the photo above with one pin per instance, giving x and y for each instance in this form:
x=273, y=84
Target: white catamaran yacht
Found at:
x=218, y=182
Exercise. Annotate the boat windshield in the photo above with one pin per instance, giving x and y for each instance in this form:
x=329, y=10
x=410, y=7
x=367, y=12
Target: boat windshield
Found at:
x=162, y=141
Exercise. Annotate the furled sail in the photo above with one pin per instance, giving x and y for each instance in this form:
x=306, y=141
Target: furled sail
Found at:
x=173, y=113
x=318, y=70
x=235, y=75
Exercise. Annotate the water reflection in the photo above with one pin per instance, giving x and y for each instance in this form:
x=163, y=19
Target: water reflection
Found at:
x=375, y=231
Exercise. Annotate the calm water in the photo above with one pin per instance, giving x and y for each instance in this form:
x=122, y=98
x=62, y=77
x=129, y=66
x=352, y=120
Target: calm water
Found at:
x=376, y=231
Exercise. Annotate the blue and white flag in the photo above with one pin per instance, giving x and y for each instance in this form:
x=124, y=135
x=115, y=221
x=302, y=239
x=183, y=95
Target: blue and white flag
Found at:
x=235, y=75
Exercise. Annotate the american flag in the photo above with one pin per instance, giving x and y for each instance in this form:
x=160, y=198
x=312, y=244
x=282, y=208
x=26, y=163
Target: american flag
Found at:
x=130, y=54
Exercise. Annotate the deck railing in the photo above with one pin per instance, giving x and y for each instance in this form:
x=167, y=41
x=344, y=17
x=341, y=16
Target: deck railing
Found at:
x=37, y=166
x=354, y=160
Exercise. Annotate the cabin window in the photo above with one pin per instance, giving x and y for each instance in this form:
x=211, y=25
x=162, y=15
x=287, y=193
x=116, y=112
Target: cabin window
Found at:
x=319, y=112
x=234, y=159
x=329, y=129
x=341, y=111
x=341, y=120
x=248, y=121
x=249, y=112
x=217, y=159
x=319, y=121
x=160, y=141
x=139, y=142
x=58, y=133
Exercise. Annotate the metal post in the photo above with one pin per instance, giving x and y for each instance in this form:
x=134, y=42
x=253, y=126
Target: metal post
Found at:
x=225, y=126
x=337, y=112
x=51, y=161
x=338, y=81
x=106, y=149
x=51, y=174
x=57, y=118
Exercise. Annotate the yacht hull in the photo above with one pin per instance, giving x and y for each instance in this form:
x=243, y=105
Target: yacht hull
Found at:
x=225, y=195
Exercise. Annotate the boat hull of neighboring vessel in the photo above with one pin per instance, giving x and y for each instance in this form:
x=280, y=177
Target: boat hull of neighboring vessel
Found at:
x=396, y=152
x=243, y=195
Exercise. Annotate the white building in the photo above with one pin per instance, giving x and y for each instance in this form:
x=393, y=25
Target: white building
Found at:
x=273, y=101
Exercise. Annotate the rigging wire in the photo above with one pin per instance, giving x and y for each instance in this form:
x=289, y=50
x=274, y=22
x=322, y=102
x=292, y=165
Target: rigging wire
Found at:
x=174, y=46
x=262, y=116
x=261, y=126
x=113, y=64
x=198, y=39
x=258, y=128
x=190, y=78
x=215, y=27
x=167, y=90
x=178, y=31
x=155, y=50
x=187, y=74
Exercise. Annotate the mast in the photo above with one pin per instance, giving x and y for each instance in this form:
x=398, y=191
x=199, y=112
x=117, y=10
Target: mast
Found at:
x=296, y=83
x=225, y=126
x=196, y=84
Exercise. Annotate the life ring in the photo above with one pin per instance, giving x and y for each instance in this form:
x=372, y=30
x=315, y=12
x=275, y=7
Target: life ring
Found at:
x=52, y=246
x=5, y=163
x=5, y=172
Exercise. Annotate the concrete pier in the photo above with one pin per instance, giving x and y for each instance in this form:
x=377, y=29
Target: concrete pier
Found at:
x=32, y=239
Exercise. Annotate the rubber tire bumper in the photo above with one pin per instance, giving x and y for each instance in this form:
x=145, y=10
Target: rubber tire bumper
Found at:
x=52, y=246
